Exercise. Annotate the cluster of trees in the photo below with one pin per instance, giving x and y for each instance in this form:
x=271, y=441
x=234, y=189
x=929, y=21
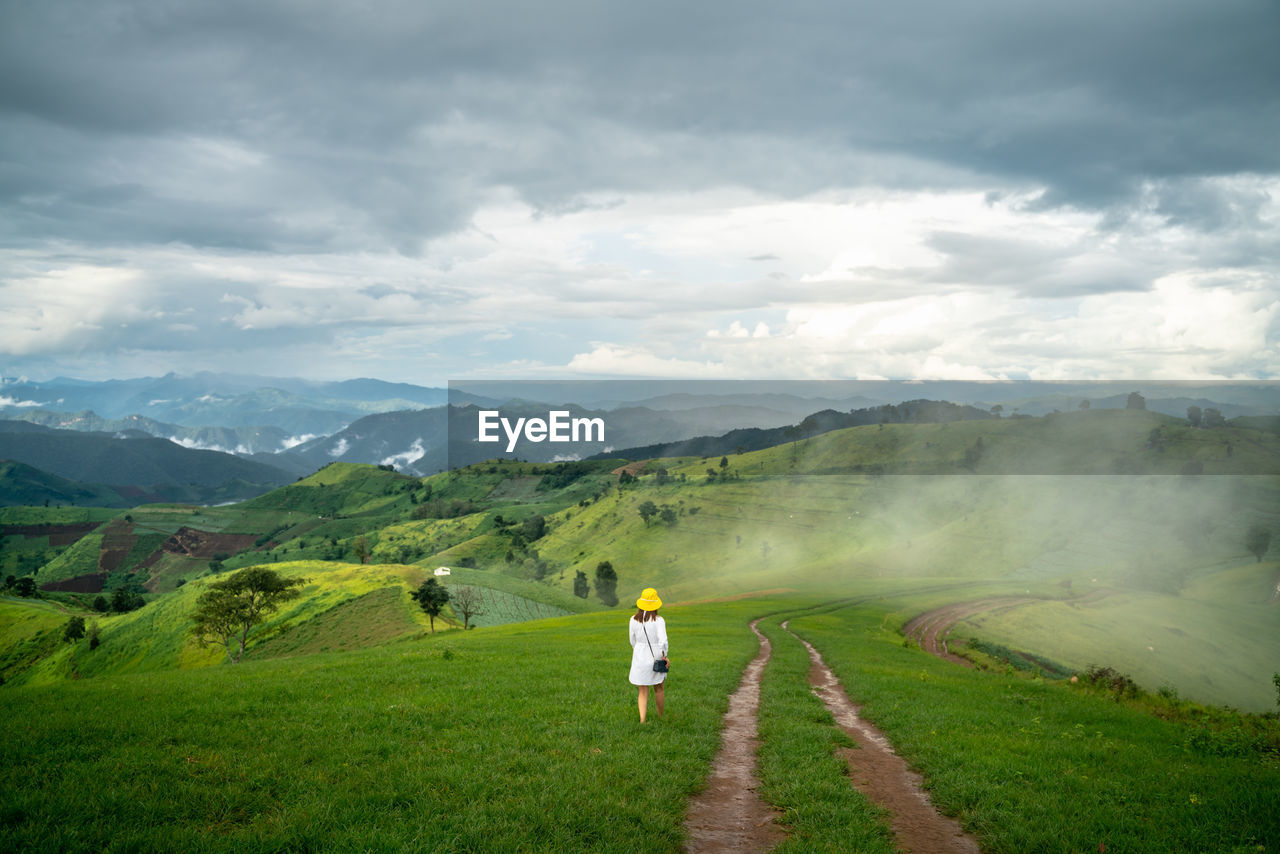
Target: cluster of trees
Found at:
x=24, y=586
x=666, y=513
x=75, y=630
x=440, y=508
x=1208, y=418
x=432, y=596
x=123, y=600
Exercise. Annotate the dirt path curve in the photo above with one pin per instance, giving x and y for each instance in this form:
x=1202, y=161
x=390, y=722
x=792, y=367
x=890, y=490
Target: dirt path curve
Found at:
x=932, y=628
x=883, y=776
x=729, y=816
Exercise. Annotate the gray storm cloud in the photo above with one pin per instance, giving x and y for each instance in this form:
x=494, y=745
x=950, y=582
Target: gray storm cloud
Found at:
x=369, y=135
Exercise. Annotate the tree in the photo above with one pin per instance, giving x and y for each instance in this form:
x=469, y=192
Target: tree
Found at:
x=997, y=409
x=124, y=600
x=95, y=637
x=533, y=528
x=581, y=588
x=647, y=511
x=1193, y=415
x=100, y=604
x=626, y=477
x=724, y=462
x=668, y=515
x=432, y=597
x=661, y=476
x=606, y=583
x=230, y=608
x=74, y=630
x=1084, y=405
x=26, y=586
x=467, y=603
x=1135, y=401
x=1212, y=418
x=1257, y=540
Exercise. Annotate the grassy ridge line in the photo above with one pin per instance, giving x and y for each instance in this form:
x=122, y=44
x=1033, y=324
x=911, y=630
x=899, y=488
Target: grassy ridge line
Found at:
x=1091, y=442
x=1030, y=766
x=1205, y=642
x=516, y=738
x=801, y=771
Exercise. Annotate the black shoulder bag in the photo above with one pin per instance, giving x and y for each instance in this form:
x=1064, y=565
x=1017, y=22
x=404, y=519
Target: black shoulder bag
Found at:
x=659, y=664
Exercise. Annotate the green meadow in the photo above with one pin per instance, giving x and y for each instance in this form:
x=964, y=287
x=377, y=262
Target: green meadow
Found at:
x=351, y=725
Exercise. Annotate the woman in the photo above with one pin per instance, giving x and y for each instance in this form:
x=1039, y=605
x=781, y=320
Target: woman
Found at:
x=648, y=643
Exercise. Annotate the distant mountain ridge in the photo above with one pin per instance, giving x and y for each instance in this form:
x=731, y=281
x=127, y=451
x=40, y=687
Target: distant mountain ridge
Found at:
x=139, y=467
x=296, y=406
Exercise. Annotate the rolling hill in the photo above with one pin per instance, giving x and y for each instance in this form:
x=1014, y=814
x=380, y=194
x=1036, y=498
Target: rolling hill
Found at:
x=1092, y=507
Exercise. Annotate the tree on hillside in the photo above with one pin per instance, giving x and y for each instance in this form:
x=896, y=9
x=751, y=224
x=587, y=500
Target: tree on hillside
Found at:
x=25, y=586
x=74, y=630
x=997, y=409
x=1084, y=405
x=95, y=636
x=647, y=511
x=432, y=597
x=100, y=604
x=1135, y=401
x=1193, y=415
x=228, y=609
x=1257, y=540
x=533, y=528
x=467, y=603
x=606, y=583
x=668, y=515
x=1212, y=418
x=581, y=588
x=124, y=600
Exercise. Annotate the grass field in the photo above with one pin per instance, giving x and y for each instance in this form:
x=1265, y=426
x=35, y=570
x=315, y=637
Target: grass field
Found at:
x=1034, y=766
x=512, y=738
x=524, y=737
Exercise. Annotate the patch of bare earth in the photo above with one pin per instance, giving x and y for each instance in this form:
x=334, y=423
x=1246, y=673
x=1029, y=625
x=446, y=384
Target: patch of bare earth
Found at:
x=883, y=776
x=729, y=815
x=931, y=629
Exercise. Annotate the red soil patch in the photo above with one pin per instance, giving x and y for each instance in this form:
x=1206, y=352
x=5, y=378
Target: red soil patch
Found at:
x=632, y=469
x=59, y=535
x=190, y=542
x=91, y=583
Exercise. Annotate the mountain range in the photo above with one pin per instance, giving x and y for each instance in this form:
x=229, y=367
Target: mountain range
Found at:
x=263, y=431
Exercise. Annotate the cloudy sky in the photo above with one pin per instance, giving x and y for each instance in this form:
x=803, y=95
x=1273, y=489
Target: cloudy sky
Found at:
x=420, y=191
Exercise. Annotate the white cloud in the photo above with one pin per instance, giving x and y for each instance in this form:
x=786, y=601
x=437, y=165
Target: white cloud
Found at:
x=13, y=401
x=409, y=457
x=295, y=441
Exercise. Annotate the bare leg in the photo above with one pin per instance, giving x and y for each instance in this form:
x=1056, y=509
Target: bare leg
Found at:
x=657, y=696
x=644, y=701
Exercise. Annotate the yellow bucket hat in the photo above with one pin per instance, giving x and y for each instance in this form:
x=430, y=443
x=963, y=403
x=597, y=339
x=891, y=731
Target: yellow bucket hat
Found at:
x=649, y=600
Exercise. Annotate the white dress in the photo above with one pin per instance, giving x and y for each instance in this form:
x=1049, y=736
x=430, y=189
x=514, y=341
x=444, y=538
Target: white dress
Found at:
x=641, y=659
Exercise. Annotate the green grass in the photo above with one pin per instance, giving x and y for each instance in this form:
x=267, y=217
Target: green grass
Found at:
x=515, y=738
x=1033, y=766
x=802, y=772
x=1216, y=639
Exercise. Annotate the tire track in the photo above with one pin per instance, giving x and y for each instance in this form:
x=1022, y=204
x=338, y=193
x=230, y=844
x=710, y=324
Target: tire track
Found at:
x=932, y=628
x=729, y=815
x=883, y=776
